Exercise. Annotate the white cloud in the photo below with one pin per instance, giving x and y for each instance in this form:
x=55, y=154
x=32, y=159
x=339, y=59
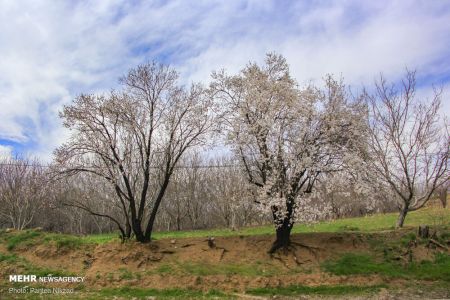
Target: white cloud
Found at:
x=5, y=152
x=52, y=51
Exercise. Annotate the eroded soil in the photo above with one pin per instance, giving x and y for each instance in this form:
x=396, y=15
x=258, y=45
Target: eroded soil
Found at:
x=231, y=264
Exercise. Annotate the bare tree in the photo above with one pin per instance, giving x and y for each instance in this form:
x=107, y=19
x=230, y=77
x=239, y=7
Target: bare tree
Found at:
x=442, y=194
x=134, y=139
x=207, y=193
x=90, y=193
x=230, y=193
x=23, y=191
x=287, y=137
x=409, y=145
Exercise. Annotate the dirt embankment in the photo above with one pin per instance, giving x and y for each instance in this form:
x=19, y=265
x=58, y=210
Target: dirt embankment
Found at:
x=227, y=263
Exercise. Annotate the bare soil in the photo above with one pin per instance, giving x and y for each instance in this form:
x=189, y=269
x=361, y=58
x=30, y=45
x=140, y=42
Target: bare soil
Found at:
x=232, y=264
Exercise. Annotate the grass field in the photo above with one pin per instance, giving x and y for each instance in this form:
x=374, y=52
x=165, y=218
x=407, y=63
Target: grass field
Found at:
x=435, y=216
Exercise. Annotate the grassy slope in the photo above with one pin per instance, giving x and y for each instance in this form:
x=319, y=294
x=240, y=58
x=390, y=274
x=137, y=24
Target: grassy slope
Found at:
x=429, y=215
x=355, y=263
x=434, y=216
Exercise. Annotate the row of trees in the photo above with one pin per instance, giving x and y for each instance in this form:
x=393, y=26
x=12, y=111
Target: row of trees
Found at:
x=294, y=150
x=203, y=193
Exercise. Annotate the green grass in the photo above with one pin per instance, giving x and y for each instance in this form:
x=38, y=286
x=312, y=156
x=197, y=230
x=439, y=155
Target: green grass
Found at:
x=8, y=258
x=140, y=293
x=125, y=274
x=131, y=293
x=429, y=215
x=31, y=237
x=408, y=238
x=26, y=237
x=328, y=290
x=165, y=269
x=365, y=264
x=64, y=241
x=100, y=238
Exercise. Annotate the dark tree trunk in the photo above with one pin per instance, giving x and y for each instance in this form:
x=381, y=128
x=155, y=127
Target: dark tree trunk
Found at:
x=284, y=226
x=178, y=223
x=127, y=230
x=401, y=217
x=283, y=236
x=137, y=229
x=151, y=221
x=424, y=231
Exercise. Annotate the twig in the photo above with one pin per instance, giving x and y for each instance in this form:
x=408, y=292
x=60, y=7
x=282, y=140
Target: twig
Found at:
x=438, y=244
x=223, y=253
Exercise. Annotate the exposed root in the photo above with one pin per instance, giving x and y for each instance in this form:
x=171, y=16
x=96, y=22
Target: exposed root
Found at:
x=306, y=246
x=432, y=241
x=167, y=252
x=223, y=253
x=149, y=258
x=289, y=249
x=295, y=256
x=277, y=246
x=212, y=245
x=312, y=249
x=280, y=259
x=141, y=263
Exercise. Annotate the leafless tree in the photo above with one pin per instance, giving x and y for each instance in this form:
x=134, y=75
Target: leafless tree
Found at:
x=134, y=139
x=409, y=145
x=442, y=194
x=208, y=193
x=89, y=192
x=230, y=193
x=23, y=191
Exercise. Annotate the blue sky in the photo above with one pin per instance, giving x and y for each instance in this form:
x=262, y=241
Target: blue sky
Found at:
x=52, y=51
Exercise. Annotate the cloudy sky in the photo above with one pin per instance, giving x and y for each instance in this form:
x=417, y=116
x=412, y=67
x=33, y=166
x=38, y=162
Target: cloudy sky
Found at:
x=51, y=51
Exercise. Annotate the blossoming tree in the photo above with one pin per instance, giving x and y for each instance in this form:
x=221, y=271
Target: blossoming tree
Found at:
x=287, y=137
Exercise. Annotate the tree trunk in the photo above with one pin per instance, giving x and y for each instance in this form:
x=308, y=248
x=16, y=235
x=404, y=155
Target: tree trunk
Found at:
x=401, y=217
x=127, y=230
x=178, y=223
x=151, y=221
x=443, y=196
x=424, y=231
x=283, y=236
x=137, y=229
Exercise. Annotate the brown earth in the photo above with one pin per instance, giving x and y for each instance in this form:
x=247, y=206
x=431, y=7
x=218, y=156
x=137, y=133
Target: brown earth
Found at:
x=232, y=264
x=300, y=265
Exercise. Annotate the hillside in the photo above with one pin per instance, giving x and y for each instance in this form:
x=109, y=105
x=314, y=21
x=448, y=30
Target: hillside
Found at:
x=359, y=257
